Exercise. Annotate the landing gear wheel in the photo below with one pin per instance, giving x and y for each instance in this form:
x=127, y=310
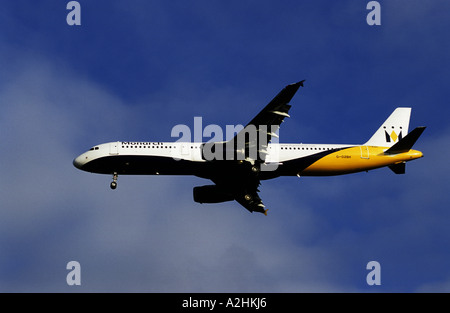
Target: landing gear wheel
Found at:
x=114, y=182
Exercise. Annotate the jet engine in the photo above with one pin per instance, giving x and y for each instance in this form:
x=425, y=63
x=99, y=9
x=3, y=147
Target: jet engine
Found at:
x=211, y=194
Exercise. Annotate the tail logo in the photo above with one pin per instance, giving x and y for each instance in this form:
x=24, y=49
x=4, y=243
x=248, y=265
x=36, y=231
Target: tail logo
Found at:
x=392, y=137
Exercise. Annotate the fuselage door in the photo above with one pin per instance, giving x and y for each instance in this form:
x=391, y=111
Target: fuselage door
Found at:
x=114, y=148
x=364, y=152
x=185, y=151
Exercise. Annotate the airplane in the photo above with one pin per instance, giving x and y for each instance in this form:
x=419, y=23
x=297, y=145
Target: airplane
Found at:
x=237, y=171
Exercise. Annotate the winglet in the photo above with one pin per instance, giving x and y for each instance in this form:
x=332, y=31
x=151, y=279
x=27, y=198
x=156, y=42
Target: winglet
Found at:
x=405, y=144
x=297, y=84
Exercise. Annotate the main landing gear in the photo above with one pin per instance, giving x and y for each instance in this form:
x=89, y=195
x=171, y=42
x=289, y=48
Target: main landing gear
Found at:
x=114, y=182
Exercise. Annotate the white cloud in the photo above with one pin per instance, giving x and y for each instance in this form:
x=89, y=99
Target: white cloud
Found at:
x=435, y=287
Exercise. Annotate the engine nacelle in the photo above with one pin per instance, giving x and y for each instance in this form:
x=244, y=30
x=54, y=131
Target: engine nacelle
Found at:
x=211, y=194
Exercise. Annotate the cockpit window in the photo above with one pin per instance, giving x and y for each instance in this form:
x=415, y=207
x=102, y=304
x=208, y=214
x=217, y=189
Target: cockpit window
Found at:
x=93, y=148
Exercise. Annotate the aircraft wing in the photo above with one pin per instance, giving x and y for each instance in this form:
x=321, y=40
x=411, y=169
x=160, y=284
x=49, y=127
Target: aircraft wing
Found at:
x=267, y=122
x=243, y=185
x=238, y=180
x=251, y=201
x=241, y=179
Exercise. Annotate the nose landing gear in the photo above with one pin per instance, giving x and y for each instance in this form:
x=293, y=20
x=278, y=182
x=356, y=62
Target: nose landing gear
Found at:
x=114, y=182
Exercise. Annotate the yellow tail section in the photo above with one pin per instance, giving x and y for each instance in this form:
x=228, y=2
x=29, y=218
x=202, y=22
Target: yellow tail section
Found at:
x=357, y=159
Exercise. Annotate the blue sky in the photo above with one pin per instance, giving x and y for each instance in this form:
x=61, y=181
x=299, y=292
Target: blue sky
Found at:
x=133, y=70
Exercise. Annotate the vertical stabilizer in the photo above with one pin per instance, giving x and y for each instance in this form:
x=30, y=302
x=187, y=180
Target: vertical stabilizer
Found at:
x=392, y=130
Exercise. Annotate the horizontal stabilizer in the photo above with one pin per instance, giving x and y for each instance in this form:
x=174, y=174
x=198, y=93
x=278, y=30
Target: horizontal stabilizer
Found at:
x=405, y=144
x=399, y=168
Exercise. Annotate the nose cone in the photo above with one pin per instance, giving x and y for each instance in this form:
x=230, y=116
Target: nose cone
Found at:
x=79, y=161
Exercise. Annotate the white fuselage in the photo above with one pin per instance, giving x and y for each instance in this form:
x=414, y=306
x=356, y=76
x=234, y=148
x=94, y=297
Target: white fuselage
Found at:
x=191, y=151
